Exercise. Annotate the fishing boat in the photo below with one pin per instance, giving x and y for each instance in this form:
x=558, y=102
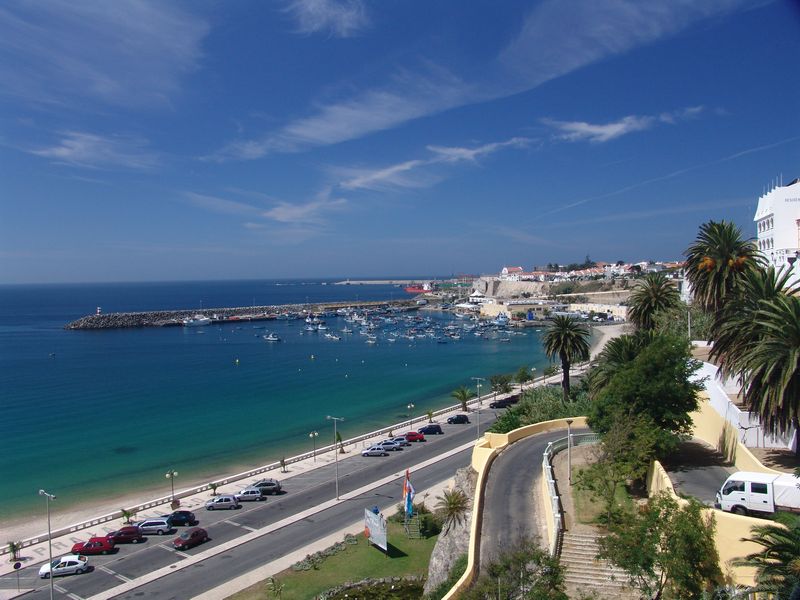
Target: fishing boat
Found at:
x=197, y=321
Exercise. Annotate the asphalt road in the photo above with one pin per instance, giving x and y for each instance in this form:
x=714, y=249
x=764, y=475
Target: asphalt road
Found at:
x=697, y=470
x=302, y=491
x=510, y=494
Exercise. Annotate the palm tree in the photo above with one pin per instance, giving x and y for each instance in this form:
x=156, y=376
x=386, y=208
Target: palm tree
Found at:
x=652, y=294
x=736, y=331
x=770, y=366
x=617, y=353
x=462, y=394
x=567, y=339
x=452, y=507
x=778, y=564
x=716, y=261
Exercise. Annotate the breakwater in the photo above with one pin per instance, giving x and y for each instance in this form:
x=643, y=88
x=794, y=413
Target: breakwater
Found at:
x=169, y=318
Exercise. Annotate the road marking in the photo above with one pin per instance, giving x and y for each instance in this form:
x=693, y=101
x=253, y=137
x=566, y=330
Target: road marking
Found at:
x=117, y=575
x=74, y=596
x=205, y=555
x=229, y=522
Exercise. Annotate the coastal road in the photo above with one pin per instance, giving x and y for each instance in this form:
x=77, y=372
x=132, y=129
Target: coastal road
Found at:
x=697, y=470
x=510, y=512
x=304, y=491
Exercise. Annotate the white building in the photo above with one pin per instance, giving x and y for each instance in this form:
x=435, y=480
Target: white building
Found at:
x=510, y=273
x=777, y=221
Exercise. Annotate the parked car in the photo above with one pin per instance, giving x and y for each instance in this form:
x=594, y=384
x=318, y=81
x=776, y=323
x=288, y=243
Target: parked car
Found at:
x=95, y=545
x=251, y=493
x=503, y=402
x=129, y=533
x=190, y=538
x=430, y=429
x=270, y=486
x=66, y=565
x=414, y=436
x=159, y=526
x=390, y=445
x=458, y=420
x=401, y=439
x=183, y=517
x=375, y=451
x=226, y=501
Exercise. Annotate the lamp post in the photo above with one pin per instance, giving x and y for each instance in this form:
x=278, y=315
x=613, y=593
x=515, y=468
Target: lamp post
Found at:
x=569, y=450
x=171, y=475
x=335, y=450
x=48, y=498
x=478, y=380
x=410, y=408
x=533, y=375
x=313, y=435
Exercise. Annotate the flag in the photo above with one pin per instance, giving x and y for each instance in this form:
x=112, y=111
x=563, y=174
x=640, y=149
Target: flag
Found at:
x=408, y=494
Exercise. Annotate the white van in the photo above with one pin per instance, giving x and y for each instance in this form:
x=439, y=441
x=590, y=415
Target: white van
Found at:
x=746, y=492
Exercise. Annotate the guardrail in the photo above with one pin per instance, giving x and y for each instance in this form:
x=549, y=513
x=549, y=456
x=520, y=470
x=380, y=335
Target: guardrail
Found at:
x=552, y=449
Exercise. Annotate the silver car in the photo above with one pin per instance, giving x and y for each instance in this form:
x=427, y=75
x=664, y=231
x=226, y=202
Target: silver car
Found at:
x=251, y=493
x=390, y=445
x=374, y=451
x=159, y=526
x=66, y=565
x=224, y=501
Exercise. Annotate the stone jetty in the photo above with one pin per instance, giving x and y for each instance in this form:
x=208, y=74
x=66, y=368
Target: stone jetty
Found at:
x=167, y=318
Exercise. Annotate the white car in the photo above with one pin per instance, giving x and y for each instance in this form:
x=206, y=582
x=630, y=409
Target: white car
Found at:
x=375, y=451
x=66, y=565
x=390, y=445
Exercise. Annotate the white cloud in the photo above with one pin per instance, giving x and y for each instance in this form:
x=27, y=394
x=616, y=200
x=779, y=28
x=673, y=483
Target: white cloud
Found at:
x=539, y=53
x=341, y=18
x=305, y=213
x=89, y=150
x=221, y=205
x=457, y=154
x=378, y=179
x=124, y=53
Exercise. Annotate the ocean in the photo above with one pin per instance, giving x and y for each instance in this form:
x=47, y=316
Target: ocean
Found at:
x=88, y=414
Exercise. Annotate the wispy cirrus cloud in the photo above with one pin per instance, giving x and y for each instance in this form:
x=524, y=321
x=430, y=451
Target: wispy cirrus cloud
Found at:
x=340, y=18
x=128, y=53
x=221, y=205
x=539, y=53
x=93, y=151
x=311, y=212
x=417, y=173
x=573, y=131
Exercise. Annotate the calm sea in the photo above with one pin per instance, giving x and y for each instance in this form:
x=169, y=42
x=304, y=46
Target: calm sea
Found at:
x=101, y=413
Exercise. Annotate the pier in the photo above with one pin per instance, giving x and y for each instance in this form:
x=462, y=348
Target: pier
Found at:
x=174, y=318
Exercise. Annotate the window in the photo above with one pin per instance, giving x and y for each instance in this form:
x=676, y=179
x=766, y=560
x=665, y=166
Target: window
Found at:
x=733, y=486
x=758, y=488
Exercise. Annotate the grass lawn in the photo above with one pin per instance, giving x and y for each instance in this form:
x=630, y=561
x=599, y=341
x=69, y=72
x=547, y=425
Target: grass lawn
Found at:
x=590, y=509
x=361, y=561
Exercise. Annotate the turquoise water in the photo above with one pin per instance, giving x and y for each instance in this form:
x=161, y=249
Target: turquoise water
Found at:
x=88, y=413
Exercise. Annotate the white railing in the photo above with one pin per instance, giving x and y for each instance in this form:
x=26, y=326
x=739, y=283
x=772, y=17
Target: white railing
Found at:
x=552, y=449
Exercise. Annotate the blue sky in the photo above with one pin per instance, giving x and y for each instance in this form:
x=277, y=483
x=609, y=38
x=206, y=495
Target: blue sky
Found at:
x=310, y=138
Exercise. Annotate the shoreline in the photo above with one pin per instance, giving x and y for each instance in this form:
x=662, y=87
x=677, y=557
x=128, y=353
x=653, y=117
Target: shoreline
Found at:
x=26, y=527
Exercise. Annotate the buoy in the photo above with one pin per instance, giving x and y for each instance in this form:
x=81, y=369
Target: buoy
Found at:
x=237, y=361
x=312, y=357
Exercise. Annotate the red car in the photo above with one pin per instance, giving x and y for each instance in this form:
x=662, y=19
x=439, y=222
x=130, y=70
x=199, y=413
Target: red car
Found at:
x=95, y=545
x=414, y=436
x=189, y=538
x=129, y=533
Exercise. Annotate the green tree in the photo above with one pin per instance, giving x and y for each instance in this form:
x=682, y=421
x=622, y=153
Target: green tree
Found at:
x=523, y=375
x=685, y=320
x=127, y=514
x=658, y=383
x=568, y=340
x=452, y=508
x=501, y=384
x=617, y=353
x=541, y=404
x=716, y=261
x=462, y=395
x=523, y=570
x=623, y=455
x=667, y=550
x=778, y=564
x=652, y=294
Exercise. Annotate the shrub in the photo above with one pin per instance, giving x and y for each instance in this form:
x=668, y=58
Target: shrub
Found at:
x=541, y=404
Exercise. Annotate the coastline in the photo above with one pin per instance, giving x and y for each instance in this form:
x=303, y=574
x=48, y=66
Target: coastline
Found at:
x=27, y=527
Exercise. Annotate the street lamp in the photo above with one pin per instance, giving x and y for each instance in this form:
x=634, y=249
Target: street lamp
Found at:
x=335, y=450
x=410, y=408
x=313, y=435
x=48, y=498
x=478, y=380
x=533, y=374
x=171, y=475
x=569, y=450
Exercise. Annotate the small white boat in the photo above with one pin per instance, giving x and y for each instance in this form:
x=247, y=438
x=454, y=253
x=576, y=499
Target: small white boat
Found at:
x=347, y=330
x=371, y=341
x=196, y=321
x=271, y=337
x=330, y=336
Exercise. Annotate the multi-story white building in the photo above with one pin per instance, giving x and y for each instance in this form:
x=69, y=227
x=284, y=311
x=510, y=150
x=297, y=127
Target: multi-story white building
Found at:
x=777, y=221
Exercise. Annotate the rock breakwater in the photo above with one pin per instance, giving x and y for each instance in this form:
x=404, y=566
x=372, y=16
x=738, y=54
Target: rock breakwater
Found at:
x=167, y=318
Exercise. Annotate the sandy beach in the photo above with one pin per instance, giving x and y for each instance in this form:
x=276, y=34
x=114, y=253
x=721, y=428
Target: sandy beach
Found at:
x=31, y=527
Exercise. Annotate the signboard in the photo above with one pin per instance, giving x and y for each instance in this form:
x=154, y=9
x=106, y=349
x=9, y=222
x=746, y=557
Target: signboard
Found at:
x=375, y=529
